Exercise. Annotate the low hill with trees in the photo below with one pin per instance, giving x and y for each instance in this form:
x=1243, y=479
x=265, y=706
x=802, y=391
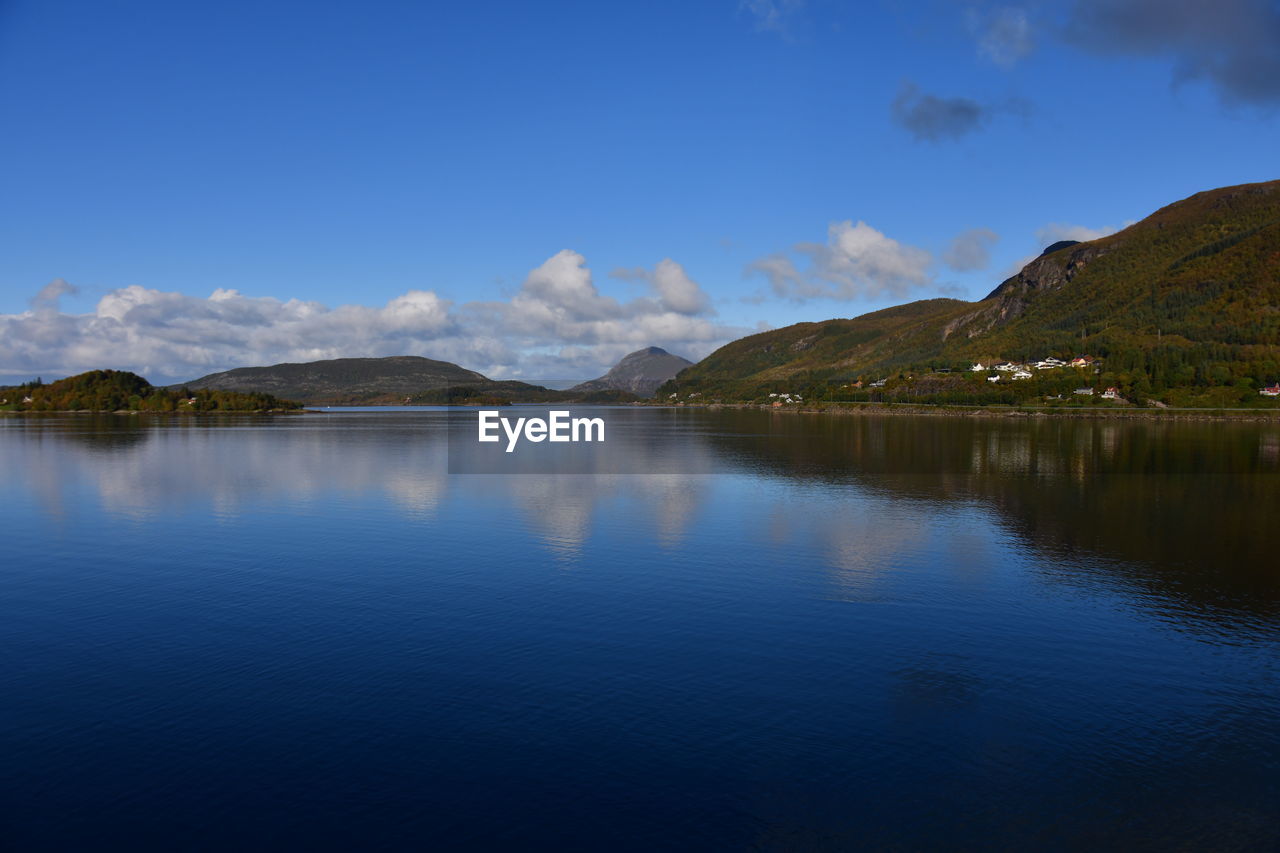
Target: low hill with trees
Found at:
x=119, y=390
x=400, y=379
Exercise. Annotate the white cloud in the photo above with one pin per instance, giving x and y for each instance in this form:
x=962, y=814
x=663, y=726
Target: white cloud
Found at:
x=970, y=250
x=49, y=295
x=563, y=285
x=1055, y=231
x=676, y=290
x=562, y=319
x=783, y=275
x=856, y=261
x=858, y=258
x=557, y=325
x=171, y=335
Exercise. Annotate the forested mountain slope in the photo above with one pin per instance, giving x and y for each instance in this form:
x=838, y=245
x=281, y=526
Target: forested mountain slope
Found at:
x=1184, y=301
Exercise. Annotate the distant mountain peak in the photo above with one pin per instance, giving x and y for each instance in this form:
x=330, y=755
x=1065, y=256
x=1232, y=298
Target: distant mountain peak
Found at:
x=1061, y=244
x=641, y=372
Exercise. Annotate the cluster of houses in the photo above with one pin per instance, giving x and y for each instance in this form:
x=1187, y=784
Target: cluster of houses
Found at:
x=1111, y=393
x=1023, y=371
x=1016, y=371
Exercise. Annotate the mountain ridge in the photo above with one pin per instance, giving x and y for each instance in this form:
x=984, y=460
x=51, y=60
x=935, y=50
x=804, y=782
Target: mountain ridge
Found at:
x=389, y=379
x=1188, y=297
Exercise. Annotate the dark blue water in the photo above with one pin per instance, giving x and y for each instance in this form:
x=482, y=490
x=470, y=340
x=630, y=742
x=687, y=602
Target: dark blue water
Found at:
x=812, y=634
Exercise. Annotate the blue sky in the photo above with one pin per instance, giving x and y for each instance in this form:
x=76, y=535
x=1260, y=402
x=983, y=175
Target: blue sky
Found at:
x=788, y=160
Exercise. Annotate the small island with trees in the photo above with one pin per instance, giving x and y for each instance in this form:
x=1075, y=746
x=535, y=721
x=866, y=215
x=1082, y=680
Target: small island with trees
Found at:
x=122, y=391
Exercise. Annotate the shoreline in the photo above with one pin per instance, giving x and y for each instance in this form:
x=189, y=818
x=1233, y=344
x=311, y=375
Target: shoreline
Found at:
x=838, y=409
x=140, y=412
x=897, y=409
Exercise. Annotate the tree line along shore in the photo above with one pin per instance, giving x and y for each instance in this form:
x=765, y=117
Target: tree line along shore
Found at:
x=122, y=391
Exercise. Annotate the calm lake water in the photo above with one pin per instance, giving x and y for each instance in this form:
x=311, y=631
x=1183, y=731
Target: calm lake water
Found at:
x=792, y=632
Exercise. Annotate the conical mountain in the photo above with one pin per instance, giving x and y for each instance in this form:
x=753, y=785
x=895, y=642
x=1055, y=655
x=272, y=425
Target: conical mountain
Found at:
x=641, y=372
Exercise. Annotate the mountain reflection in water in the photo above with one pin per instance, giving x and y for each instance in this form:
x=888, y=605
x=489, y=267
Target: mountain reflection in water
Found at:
x=726, y=629
x=1176, y=509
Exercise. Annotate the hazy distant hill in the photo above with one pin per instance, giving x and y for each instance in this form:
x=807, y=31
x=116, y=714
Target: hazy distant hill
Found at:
x=393, y=379
x=1186, y=300
x=640, y=373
